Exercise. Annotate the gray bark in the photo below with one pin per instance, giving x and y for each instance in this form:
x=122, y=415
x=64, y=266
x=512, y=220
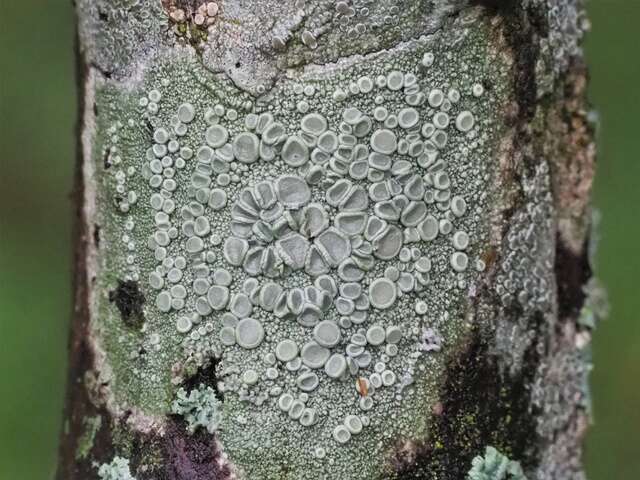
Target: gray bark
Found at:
x=476, y=250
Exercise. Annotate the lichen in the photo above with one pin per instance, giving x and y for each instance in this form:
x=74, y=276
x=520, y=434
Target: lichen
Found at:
x=200, y=408
x=252, y=43
x=565, y=24
x=493, y=465
x=327, y=224
x=118, y=469
x=115, y=32
x=318, y=243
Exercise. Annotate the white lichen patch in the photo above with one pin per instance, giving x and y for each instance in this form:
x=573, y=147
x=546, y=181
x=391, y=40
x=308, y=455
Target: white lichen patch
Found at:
x=319, y=242
x=200, y=408
x=525, y=277
x=495, y=466
x=118, y=469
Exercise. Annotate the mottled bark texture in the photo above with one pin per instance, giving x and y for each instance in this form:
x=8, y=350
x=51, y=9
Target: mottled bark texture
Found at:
x=495, y=340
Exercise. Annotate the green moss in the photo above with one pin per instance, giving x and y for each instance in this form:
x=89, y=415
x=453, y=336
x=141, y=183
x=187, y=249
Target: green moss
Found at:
x=122, y=439
x=85, y=443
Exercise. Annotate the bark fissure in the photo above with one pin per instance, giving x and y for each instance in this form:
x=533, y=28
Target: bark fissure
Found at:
x=480, y=406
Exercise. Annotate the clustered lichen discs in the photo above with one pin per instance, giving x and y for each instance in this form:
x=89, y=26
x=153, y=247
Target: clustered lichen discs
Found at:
x=315, y=244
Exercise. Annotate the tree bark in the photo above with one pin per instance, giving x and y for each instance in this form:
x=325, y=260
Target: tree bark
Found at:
x=331, y=240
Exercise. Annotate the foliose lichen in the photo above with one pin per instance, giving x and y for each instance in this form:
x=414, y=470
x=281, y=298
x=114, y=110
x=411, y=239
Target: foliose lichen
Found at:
x=118, y=469
x=493, y=465
x=200, y=408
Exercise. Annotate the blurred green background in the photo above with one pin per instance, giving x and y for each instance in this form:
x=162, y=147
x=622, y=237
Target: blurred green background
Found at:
x=37, y=116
